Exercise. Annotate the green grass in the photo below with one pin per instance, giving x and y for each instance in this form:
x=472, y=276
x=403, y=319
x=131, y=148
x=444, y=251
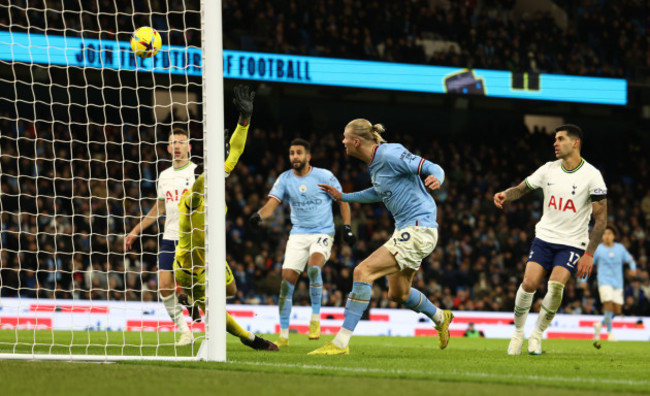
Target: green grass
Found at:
x=145, y=343
x=377, y=365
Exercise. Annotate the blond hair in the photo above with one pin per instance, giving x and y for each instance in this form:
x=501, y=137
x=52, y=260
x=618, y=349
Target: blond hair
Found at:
x=363, y=129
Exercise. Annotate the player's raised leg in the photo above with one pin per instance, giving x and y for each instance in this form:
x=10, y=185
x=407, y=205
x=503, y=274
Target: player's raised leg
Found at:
x=400, y=290
x=523, y=301
x=358, y=301
x=379, y=263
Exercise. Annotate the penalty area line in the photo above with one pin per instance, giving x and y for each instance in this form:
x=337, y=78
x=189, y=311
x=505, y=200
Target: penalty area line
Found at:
x=441, y=373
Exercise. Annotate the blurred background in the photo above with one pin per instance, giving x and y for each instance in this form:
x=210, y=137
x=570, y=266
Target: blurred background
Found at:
x=82, y=147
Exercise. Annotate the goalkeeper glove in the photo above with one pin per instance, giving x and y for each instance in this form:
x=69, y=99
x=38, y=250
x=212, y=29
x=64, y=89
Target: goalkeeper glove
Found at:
x=255, y=219
x=348, y=236
x=244, y=100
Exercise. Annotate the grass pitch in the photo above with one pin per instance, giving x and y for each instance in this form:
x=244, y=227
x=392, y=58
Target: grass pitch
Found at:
x=381, y=365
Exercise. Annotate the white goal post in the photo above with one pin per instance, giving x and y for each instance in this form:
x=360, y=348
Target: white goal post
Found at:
x=215, y=337
x=84, y=131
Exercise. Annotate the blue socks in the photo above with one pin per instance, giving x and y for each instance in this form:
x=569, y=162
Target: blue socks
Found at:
x=607, y=320
x=285, y=303
x=315, y=288
x=358, y=301
x=418, y=302
x=285, y=300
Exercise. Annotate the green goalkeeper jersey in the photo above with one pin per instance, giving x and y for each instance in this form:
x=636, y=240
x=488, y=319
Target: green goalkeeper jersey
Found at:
x=190, y=251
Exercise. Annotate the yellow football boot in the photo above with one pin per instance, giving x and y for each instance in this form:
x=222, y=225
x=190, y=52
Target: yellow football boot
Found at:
x=314, y=330
x=443, y=329
x=330, y=349
x=282, y=342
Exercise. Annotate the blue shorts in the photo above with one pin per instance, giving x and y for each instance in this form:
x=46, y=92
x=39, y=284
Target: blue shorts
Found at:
x=166, y=253
x=551, y=255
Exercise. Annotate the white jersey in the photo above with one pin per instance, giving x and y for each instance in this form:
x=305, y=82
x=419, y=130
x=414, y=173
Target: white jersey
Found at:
x=567, y=201
x=172, y=183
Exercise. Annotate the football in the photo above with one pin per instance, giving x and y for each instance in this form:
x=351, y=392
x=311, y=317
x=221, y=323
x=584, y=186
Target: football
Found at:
x=146, y=42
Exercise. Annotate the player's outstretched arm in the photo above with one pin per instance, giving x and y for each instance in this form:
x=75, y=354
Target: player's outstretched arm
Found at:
x=368, y=195
x=244, y=101
x=511, y=194
x=264, y=212
x=154, y=213
x=599, y=213
x=335, y=193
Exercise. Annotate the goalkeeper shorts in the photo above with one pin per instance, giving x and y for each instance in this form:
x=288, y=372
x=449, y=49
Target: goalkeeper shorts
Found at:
x=193, y=280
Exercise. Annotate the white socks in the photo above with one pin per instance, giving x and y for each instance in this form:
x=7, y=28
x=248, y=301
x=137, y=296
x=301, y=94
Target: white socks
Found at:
x=550, y=304
x=284, y=333
x=315, y=317
x=438, y=317
x=342, y=338
x=523, y=302
x=175, y=312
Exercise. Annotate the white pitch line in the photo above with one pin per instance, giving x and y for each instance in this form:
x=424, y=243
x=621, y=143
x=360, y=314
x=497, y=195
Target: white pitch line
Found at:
x=468, y=374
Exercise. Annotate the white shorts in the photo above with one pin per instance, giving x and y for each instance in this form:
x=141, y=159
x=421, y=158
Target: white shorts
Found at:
x=411, y=245
x=608, y=293
x=301, y=246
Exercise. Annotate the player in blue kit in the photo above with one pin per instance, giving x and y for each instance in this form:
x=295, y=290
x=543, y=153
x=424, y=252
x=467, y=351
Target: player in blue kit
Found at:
x=395, y=174
x=310, y=240
x=609, y=258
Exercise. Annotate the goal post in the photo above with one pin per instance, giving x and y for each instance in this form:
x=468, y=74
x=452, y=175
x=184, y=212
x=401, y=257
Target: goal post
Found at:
x=214, y=348
x=84, y=135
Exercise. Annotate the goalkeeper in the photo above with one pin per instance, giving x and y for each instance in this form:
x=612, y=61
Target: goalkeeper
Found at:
x=189, y=262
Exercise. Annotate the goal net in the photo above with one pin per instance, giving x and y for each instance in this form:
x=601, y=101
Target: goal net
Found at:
x=84, y=133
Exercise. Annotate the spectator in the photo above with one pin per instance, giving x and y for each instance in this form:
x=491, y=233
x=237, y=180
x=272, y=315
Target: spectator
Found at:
x=471, y=332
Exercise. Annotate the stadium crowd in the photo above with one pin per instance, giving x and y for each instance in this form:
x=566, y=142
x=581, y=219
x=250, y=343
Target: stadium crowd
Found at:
x=580, y=37
x=70, y=190
x=64, y=238
x=481, y=252
x=586, y=37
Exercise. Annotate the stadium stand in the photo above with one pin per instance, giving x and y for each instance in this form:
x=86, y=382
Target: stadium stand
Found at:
x=481, y=253
x=580, y=37
x=477, y=265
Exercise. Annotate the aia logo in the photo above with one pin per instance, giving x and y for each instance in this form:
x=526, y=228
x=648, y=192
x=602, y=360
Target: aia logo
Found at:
x=561, y=204
x=173, y=195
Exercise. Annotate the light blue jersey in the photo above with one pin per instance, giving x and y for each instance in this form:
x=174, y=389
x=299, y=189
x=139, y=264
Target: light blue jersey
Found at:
x=395, y=175
x=311, y=207
x=610, y=262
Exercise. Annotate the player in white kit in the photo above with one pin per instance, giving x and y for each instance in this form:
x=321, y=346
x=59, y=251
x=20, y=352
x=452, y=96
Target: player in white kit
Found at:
x=574, y=190
x=172, y=183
